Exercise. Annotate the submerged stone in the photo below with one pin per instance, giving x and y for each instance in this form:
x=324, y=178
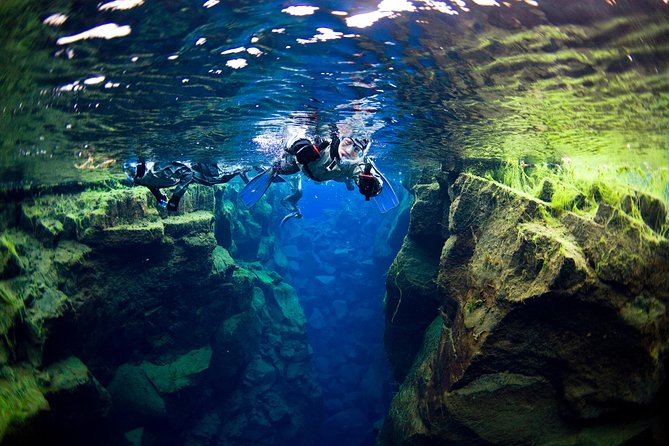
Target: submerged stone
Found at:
x=536, y=313
x=135, y=396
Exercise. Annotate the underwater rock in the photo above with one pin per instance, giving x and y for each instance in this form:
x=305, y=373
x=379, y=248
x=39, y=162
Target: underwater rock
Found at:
x=21, y=402
x=325, y=280
x=551, y=326
x=11, y=263
x=316, y=320
x=234, y=345
x=411, y=303
x=427, y=224
x=185, y=224
x=182, y=374
x=547, y=191
x=222, y=263
x=135, y=397
x=154, y=309
x=652, y=210
x=76, y=399
x=351, y=423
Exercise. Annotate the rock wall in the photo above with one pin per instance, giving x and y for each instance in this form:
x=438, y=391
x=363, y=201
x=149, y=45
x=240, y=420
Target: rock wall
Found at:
x=510, y=323
x=121, y=325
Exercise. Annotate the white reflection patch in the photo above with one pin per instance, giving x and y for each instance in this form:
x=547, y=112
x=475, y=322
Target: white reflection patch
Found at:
x=323, y=35
x=486, y=2
x=200, y=41
x=106, y=31
x=396, y=6
x=94, y=80
x=74, y=86
x=119, y=5
x=300, y=10
x=239, y=49
x=211, y=3
x=236, y=63
x=367, y=19
x=55, y=19
x=443, y=7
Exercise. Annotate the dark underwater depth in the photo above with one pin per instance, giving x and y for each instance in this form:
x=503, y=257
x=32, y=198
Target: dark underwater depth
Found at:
x=503, y=279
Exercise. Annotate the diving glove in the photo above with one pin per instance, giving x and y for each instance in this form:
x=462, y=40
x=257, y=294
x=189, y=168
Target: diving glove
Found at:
x=173, y=204
x=368, y=184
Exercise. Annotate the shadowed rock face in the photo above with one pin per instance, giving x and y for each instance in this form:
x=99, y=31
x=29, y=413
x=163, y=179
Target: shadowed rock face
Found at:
x=530, y=327
x=125, y=326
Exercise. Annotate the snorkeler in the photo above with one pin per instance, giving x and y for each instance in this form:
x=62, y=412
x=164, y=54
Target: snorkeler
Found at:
x=344, y=160
x=156, y=176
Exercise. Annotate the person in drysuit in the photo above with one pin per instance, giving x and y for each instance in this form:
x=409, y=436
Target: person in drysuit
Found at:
x=156, y=176
x=341, y=159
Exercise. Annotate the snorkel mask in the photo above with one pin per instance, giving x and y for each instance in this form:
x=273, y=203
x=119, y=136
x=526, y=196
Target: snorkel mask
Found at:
x=130, y=170
x=359, y=149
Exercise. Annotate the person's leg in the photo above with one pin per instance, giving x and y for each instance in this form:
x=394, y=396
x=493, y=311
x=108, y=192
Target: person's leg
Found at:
x=180, y=190
x=290, y=202
x=162, y=199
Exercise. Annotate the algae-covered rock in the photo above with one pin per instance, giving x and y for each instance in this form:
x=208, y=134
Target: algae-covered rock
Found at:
x=185, y=372
x=427, y=223
x=75, y=397
x=411, y=303
x=135, y=397
x=185, y=224
x=21, y=399
x=651, y=209
x=124, y=236
x=11, y=262
x=557, y=316
x=222, y=263
x=139, y=296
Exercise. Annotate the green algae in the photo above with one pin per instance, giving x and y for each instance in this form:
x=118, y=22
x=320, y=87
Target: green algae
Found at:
x=20, y=398
x=581, y=188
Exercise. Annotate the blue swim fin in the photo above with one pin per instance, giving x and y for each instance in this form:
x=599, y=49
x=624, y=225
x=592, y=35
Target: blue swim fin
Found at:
x=257, y=187
x=277, y=178
x=387, y=199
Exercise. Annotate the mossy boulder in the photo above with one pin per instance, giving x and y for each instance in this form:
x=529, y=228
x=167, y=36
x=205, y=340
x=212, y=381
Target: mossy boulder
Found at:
x=21, y=399
x=652, y=210
x=183, y=373
x=135, y=397
x=75, y=397
x=222, y=263
x=187, y=224
x=558, y=315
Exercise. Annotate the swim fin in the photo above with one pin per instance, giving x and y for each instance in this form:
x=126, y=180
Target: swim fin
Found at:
x=277, y=178
x=295, y=214
x=257, y=187
x=387, y=199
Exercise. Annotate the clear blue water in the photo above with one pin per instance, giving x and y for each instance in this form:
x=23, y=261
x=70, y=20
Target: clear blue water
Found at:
x=429, y=82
